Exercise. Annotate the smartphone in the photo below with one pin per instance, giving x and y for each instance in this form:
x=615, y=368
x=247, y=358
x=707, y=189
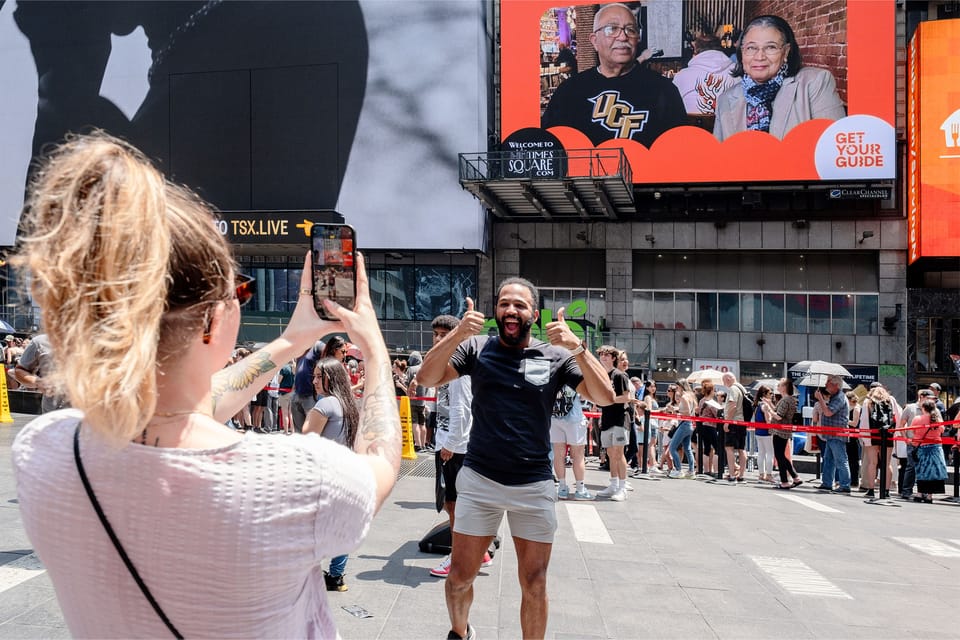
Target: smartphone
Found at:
x=334, y=266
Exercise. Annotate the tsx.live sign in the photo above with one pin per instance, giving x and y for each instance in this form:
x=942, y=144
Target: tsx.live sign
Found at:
x=272, y=227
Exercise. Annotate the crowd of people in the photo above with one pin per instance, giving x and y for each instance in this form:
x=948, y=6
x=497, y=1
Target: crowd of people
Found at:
x=689, y=436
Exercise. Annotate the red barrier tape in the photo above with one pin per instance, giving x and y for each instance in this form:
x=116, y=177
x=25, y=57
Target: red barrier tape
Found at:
x=843, y=432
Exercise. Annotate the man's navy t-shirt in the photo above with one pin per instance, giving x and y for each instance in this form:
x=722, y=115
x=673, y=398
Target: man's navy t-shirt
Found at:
x=513, y=394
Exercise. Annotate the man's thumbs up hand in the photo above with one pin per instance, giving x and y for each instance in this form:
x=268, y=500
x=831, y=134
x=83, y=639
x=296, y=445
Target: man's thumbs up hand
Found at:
x=559, y=333
x=472, y=322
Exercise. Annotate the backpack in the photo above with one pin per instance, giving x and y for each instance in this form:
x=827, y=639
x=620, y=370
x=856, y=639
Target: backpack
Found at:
x=748, y=408
x=881, y=415
x=563, y=404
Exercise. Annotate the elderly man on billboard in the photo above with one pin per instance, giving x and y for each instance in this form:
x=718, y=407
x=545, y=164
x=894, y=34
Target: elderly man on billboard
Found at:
x=619, y=98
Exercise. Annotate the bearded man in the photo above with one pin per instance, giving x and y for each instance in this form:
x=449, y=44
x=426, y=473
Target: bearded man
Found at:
x=507, y=469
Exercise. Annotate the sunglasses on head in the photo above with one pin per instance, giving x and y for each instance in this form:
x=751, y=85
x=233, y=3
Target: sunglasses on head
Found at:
x=246, y=287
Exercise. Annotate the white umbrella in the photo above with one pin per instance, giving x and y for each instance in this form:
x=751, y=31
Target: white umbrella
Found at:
x=811, y=367
x=698, y=377
x=764, y=382
x=817, y=380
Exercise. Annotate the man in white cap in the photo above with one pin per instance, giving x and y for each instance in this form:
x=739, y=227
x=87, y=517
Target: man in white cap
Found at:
x=935, y=387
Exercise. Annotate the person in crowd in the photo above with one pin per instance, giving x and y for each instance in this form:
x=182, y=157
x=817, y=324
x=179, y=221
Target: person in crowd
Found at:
x=735, y=435
x=904, y=426
x=515, y=379
x=454, y=421
x=640, y=409
x=706, y=76
x=33, y=370
x=419, y=411
x=399, y=369
x=927, y=441
x=630, y=451
x=13, y=350
x=783, y=415
x=614, y=421
x=686, y=407
x=335, y=417
x=668, y=428
x=853, y=444
x=762, y=416
x=937, y=390
x=834, y=415
x=336, y=348
x=304, y=392
x=619, y=98
x=707, y=431
x=776, y=92
x=285, y=389
x=131, y=275
x=648, y=402
x=568, y=428
x=878, y=412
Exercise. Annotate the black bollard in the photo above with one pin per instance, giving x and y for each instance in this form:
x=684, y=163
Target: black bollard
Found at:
x=956, y=475
x=883, y=463
x=883, y=498
x=646, y=442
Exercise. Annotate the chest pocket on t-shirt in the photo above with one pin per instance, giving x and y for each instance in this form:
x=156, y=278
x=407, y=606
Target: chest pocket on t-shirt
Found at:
x=536, y=371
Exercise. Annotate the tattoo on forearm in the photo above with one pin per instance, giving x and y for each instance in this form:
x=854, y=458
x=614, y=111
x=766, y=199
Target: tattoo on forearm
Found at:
x=241, y=375
x=379, y=431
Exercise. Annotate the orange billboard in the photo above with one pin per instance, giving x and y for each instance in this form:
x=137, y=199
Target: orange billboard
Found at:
x=832, y=102
x=933, y=134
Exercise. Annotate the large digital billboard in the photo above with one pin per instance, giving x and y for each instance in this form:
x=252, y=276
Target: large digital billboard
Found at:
x=703, y=91
x=263, y=105
x=933, y=135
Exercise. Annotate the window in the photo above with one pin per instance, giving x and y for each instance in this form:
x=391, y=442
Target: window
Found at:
x=868, y=315
x=819, y=308
x=797, y=313
x=662, y=310
x=707, y=311
x=421, y=292
x=751, y=312
x=642, y=309
x=842, y=309
x=685, y=309
x=729, y=311
x=773, y=312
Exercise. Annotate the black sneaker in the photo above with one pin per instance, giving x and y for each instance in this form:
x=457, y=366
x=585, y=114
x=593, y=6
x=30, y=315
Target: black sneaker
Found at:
x=869, y=493
x=471, y=634
x=334, y=583
x=842, y=490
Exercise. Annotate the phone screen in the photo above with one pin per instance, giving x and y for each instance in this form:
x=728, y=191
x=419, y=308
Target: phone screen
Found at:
x=334, y=267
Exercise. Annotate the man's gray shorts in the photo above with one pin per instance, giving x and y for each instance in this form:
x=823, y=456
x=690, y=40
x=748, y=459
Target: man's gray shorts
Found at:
x=481, y=502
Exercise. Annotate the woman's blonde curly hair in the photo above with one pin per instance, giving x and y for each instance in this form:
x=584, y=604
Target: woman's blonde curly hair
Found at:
x=123, y=265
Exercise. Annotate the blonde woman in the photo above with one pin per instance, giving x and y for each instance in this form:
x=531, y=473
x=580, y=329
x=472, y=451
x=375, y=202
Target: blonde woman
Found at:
x=686, y=407
x=877, y=412
x=141, y=300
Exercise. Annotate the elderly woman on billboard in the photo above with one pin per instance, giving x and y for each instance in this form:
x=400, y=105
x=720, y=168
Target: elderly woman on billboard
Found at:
x=776, y=92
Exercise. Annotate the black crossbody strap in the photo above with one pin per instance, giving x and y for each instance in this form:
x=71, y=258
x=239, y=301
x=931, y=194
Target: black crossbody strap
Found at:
x=115, y=540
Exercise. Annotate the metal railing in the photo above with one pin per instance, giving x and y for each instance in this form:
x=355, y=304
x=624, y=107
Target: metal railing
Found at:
x=563, y=164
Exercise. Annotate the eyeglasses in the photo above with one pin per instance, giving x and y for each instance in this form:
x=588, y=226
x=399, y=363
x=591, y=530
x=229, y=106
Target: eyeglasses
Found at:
x=614, y=30
x=246, y=287
x=769, y=50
